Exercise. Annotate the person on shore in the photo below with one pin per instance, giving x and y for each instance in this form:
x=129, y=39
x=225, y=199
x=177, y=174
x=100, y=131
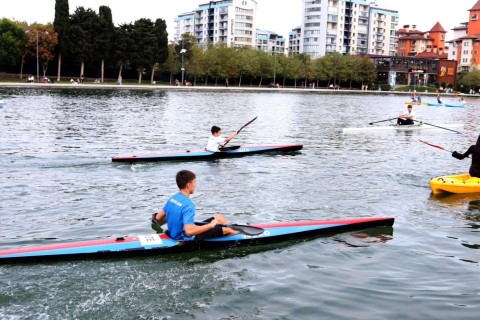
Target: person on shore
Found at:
x=474, y=150
x=216, y=141
x=407, y=117
x=179, y=214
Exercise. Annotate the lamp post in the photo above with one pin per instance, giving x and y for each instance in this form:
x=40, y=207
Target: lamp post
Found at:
x=36, y=43
x=182, y=52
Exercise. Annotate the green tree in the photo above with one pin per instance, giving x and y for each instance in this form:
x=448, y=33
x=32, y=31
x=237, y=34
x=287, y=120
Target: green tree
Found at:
x=105, y=35
x=306, y=67
x=324, y=69
x=12, y=41
x=82, y=31
x=196, y=63
x=60, y=24
x=161, y=43
x=246, y=63
x=47, y=42
x=123, y=42
x=144, y=46
x=367, y=71
x=471, y=80
x=266, y=66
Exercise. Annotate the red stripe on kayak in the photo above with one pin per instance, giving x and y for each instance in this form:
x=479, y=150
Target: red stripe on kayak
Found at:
x=72, y=245
x=319, y=222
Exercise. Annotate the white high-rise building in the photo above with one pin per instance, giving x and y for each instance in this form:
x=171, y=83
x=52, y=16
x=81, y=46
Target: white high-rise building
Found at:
x=232, y=22
x=347, y=26
x=270, y=41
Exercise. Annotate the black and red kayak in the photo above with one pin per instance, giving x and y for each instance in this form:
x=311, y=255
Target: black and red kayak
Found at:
x=158, y=244
x=227, y=152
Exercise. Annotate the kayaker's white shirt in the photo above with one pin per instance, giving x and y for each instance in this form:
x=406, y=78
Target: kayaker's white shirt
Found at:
x=214, y=142
x=408, y=114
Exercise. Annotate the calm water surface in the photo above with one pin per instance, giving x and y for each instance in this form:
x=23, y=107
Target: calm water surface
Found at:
x=58, y=184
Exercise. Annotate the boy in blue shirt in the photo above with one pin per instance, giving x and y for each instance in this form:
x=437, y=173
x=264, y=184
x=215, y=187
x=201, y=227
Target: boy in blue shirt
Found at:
x=179, y=214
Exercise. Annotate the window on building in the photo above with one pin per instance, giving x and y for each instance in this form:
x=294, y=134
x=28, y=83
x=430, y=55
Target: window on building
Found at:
x=474, y=16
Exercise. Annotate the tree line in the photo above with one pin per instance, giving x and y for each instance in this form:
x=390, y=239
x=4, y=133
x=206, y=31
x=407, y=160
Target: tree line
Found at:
x=86, y=38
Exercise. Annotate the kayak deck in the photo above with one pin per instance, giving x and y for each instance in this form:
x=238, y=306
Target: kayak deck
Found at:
x=208, y=155
x=157, y=244
x=460, y=183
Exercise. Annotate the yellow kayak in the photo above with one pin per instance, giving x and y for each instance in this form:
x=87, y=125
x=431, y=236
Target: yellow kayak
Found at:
x=460, y=183
x=416, y=102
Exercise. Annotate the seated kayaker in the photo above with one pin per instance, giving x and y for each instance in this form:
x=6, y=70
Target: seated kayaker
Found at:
x=407, y=117
x=216, y=141
x=474, y=150
x=179, y=214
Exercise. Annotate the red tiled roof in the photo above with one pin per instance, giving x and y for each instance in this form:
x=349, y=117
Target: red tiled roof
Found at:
x=438, y=27
x=470, y=36
x=414, y=37
x=476, y=6
x=432, y=55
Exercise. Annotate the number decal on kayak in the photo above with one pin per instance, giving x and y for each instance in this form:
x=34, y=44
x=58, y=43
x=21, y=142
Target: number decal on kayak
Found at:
x=243, y=150
x=149, y=240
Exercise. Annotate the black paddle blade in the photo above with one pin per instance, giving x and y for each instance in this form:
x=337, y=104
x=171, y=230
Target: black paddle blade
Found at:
x=245, y=229
x=247, y=123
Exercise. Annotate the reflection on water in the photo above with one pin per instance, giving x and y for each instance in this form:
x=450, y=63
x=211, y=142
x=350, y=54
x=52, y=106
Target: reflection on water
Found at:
x=469, y=202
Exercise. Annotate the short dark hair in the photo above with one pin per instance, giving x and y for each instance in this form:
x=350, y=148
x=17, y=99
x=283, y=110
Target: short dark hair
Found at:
x=410, y=106
x=215, y=129
x=184, y=177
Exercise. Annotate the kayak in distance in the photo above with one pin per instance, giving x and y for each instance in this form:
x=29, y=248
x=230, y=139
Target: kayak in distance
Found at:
x=227, y=152
x=415, y=102
x=159, y=244
x=401, y=127
x=459, y=183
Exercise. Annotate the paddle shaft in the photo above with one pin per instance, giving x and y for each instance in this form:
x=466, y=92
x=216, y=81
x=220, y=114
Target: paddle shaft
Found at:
x=382, y=120
x=438, y=147
x=437, y=126
x=238, y=131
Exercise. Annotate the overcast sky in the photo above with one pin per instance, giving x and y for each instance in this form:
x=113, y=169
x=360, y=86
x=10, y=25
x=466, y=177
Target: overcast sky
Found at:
x=279, y=16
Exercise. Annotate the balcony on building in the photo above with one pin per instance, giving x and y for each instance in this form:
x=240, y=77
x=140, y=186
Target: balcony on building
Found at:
x=332, y=18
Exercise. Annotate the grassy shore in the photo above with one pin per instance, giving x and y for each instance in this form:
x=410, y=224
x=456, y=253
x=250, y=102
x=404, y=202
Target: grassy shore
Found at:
x=130, y=85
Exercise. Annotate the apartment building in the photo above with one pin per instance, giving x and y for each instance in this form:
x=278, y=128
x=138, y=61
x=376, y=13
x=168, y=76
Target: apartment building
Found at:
x=465, y=47
x=347, y=26
x=294, y=37
x=269, y=41
x=416, y=43
x=232, y=22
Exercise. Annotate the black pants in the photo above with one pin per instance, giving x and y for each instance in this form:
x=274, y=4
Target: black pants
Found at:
x=212, y=233
x=404, y=121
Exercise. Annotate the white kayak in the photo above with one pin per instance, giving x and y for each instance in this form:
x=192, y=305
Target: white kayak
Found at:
x=397, y=127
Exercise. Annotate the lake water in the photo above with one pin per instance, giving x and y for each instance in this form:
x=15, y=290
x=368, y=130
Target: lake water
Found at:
x=58, y=184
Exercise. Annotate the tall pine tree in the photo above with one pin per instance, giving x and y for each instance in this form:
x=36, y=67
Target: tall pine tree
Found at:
x=61, y=24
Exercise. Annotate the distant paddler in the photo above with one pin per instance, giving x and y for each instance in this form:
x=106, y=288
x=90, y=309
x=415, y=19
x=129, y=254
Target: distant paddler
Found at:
x=407, y=117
